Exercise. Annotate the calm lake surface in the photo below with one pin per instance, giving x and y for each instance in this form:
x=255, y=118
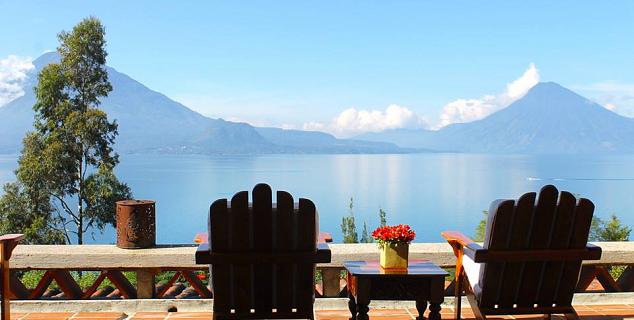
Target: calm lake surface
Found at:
x=431, y=192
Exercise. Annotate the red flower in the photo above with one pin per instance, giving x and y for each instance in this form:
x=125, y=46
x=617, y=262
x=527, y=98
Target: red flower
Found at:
x=394, y=234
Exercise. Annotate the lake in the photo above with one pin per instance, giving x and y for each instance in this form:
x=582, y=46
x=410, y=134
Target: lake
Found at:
x=431, y=192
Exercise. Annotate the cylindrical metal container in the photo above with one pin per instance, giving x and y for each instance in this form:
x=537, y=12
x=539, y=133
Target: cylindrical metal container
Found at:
x=136, y=224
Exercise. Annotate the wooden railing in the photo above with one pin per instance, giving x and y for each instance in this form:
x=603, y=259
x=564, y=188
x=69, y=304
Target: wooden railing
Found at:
x=110, y=262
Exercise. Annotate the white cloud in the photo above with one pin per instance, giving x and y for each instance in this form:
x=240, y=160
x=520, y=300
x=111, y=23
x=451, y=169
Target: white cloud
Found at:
x=13, y=74
x=614, y=96
x=466, y=110
x=351, y=121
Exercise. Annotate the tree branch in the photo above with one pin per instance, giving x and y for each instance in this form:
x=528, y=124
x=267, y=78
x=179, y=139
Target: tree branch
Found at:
x=66, y=208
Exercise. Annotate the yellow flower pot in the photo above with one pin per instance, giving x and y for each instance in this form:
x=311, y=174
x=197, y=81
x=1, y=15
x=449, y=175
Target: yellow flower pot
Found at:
x=394, y=256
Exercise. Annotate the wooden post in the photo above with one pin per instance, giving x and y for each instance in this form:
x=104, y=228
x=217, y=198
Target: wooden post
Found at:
x=330, y=278
x=145, y=284
x=4, y=266
x=7, y=244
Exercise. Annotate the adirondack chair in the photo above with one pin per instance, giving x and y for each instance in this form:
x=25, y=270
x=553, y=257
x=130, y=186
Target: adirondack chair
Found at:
x=263, y=256
x=8, y=242
x=531, y=256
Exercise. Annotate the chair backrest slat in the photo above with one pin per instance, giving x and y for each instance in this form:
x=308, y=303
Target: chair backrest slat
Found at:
x=554, y=221
x=219, y=226
x=241, y=235
x=286, y=237
x=263, y=242
x=307, y=224
x=497, y=237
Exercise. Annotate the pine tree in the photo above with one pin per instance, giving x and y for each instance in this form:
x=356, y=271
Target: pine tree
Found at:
x=348, y=225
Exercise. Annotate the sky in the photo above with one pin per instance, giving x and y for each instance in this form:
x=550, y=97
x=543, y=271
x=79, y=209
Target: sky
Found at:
x=344, y=67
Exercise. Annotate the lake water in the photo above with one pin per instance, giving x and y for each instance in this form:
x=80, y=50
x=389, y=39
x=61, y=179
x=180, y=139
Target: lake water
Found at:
x=431, y=192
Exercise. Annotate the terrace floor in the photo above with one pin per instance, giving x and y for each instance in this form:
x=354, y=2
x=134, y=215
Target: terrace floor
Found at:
x=593, y=312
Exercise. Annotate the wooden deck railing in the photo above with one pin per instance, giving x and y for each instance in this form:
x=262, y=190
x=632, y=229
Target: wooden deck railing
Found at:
x=112, y=263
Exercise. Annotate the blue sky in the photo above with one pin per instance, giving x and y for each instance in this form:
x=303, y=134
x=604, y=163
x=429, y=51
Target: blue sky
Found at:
x=301, y=64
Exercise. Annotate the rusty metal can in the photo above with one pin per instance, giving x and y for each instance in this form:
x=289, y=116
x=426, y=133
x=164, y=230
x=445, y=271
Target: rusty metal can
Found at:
x=136, y=224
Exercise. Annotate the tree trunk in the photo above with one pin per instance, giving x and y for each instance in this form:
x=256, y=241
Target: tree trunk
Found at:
x=80, y=209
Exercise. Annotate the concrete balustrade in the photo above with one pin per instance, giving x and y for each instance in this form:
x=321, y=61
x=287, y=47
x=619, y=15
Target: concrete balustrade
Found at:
x=146, y=262
x=95, y=257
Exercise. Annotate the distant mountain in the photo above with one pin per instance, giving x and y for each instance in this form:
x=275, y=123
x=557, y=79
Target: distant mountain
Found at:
x=410, y=138
x=325, y=143
x=548, y=119
x=151, y=122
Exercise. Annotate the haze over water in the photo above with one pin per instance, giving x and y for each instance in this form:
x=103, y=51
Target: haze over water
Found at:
x=431, y=192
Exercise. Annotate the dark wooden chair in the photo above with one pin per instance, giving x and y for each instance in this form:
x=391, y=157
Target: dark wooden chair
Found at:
x=531, y=257
x=263, y=256
x=8, y=242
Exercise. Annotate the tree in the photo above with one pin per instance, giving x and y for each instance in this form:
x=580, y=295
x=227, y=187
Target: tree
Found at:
x=69, y=156
x=365, y=235
x=382, y=218
x=28, y=212
x=348, y=225
x=481, y=228
x=612, y=230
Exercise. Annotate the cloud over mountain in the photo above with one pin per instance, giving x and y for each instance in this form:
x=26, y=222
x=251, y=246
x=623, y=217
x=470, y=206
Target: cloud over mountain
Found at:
x=352, y=121
x=613, y=95
x=13, y=75
x=467, y=110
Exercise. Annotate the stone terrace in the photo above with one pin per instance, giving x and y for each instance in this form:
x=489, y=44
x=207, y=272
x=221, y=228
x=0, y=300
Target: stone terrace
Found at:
x=594, y=312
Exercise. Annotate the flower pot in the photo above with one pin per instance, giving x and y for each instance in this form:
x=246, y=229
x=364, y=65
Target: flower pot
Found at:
x=394, y=256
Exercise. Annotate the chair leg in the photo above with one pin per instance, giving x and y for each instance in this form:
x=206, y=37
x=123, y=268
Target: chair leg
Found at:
x=458, y=294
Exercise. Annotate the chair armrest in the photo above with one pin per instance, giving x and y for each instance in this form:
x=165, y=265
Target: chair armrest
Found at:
x=9, y=242
x=323, y=253
x=456, y=237
x=462, y=244
x=11, y=237
x=594, y=252
x=203, y=253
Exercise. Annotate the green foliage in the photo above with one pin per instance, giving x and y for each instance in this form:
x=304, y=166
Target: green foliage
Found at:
x=69, y=156
x=481, y=228
x=348, y=226
x=365, y=235
x=611, y=230
x=28, y=211
x=382, y=218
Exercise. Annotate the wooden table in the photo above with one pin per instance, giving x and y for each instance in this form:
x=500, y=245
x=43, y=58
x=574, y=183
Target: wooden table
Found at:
x=423, y=281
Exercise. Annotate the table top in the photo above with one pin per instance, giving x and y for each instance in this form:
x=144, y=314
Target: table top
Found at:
x=416, y=268
x=203, y=237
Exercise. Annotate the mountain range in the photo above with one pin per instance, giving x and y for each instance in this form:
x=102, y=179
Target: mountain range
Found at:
x=548, y=119
x=151, y=122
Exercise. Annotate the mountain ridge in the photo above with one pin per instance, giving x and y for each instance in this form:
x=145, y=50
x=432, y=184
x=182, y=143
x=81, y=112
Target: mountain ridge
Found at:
x=549, y=119
x=149, y=121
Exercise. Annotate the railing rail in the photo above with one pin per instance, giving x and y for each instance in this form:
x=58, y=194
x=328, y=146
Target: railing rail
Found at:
x=110, y=261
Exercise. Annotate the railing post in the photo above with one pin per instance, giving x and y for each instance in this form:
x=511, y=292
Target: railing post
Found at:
x=330, y=279
x=145, y=284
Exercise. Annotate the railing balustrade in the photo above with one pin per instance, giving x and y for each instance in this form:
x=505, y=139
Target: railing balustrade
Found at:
x=115, y=264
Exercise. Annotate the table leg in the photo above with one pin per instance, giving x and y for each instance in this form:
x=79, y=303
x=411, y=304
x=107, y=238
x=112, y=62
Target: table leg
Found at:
x=434, y=311
x=363, y=298
x=363, y=311
x=352, y=306
x=421, y=306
